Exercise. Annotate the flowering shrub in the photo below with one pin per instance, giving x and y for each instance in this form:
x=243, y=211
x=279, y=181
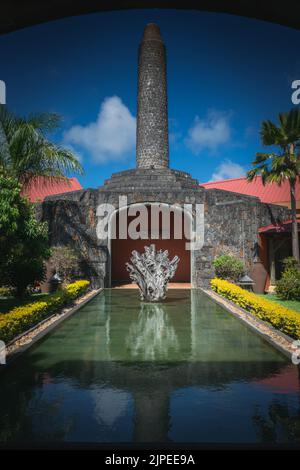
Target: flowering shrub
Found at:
x=77, y=288
x=20, y=319
x=283, y=319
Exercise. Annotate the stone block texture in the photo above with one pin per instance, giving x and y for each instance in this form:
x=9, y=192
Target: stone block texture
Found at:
x=231, y=223
x=152, y=144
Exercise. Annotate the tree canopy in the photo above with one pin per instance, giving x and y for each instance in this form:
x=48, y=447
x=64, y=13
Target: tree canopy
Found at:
x=23, y=239
x=26, y=151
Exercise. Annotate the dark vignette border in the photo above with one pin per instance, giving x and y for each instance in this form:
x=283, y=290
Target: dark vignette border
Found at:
x=17, y=14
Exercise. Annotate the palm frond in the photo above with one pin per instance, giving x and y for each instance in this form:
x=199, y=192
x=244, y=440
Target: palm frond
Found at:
x=29, y=153
x=270, y=134
x=262, y=158
x=292, y=127
x=44, y=122
x=277, y=167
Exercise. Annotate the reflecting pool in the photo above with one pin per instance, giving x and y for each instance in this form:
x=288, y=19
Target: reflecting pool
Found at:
x=120, y=370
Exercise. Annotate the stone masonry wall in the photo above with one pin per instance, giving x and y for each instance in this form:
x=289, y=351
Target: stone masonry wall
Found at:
x=72, y=221
x=152, y=148
x=231, y=224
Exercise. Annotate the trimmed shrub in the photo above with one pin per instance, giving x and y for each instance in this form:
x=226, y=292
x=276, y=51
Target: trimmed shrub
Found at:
x=288, y=287
x=20, y=319
x=5, y=292
x=283, y=319
x=290, y=263
x=228, y=267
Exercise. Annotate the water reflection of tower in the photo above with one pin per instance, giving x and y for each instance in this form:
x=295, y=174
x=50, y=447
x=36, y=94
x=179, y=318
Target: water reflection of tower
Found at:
x=150, y=375
x=152, y=339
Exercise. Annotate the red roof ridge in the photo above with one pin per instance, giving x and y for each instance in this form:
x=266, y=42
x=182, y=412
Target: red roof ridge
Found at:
x=226, y=180
x=279, y=226
x=269, y=193
x=42, y=186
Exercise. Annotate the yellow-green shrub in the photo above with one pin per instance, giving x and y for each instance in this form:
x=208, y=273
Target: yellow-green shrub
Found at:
x=5, y=292
x=19, y=319
x=283, y=319
x=76, y=288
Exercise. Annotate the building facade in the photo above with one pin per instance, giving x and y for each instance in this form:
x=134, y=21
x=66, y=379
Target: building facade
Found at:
x=230, y=221
x=275, y=239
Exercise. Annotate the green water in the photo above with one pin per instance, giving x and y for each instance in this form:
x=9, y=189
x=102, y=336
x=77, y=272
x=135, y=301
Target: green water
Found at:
x=120, y=370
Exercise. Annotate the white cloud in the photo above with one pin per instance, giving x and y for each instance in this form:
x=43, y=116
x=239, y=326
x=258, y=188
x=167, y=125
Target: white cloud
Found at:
x=111, y=137
x=228, y=170
x=110, y=405
x=209, y=133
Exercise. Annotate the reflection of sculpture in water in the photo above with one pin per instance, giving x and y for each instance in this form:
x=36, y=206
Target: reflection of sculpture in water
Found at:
x=152, y=336
x=152, y=271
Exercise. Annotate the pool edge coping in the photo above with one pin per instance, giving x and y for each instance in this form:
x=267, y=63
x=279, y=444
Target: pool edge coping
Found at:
x=276, y=338
x=61, y=316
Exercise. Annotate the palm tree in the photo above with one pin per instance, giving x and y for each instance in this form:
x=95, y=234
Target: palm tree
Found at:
x=284, y=165
x=26, y=152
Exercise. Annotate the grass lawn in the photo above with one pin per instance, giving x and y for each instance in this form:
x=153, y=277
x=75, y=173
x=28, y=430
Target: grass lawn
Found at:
x=7, y=303
x=292, y=304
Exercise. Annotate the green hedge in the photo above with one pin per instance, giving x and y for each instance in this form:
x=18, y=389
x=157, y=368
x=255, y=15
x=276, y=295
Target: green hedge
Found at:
x=20, y=319
x=283, y=319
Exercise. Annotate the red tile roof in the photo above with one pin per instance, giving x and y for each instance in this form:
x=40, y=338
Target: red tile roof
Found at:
x=270, y=193
x=285, y=382
x=42, y=187
x=284, y=227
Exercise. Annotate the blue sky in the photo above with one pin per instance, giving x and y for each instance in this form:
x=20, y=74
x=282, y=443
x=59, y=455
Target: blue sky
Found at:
x=225, y=75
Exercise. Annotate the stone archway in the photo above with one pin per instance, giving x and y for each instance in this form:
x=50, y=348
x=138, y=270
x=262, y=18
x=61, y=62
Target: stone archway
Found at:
x=121, y=248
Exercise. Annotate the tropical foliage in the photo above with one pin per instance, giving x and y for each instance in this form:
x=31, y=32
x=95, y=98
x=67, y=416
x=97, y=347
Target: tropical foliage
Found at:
x=275, y=167
x=23, y=240
x=288, y=287
x=26, y=152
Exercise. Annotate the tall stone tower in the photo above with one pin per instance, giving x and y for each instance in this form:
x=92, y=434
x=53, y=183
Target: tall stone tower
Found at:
x=152, y=145
x=152, y=172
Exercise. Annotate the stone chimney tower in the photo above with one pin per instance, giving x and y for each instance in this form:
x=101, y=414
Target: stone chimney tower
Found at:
x=152, y=142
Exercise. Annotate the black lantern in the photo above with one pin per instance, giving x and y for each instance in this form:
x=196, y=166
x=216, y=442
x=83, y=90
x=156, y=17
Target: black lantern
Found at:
x=246, y=283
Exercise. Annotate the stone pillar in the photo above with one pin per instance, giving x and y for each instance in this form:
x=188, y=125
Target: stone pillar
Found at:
x=152, y=143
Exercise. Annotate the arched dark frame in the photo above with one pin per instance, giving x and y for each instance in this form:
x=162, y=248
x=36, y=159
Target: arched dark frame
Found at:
x=16, y=14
